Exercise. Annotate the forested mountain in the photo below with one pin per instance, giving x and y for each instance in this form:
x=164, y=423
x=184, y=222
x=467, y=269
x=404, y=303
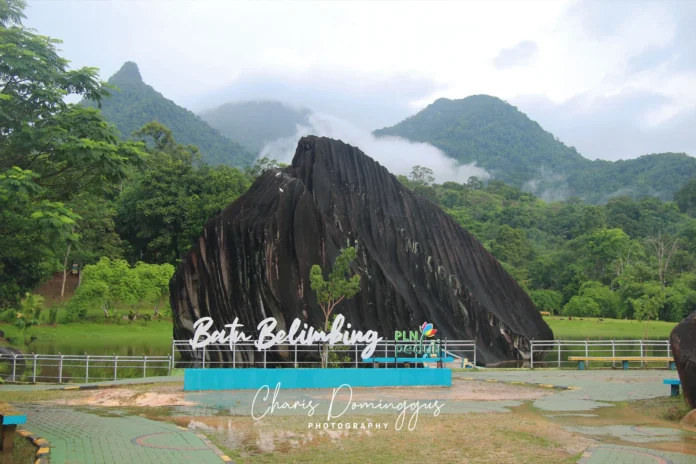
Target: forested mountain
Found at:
x=253, y=123
x=517, y=150
x=136, y=103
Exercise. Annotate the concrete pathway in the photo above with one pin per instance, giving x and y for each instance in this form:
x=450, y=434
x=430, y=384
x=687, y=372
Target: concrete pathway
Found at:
x=87, y=436
x=597, y=389
x=84, y=437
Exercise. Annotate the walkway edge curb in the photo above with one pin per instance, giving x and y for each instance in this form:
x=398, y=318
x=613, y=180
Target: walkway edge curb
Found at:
x=515, y=382
x=215, y=449
x=43, y=450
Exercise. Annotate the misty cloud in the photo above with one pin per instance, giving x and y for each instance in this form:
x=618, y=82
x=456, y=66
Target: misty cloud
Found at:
x=394, y=153
x=615, y=127
x=372, y=104
x=519, y=55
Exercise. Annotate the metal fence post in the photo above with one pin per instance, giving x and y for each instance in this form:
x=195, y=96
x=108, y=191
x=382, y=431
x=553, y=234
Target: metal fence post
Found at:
x=386, y=353
x=115, y=364
x=14, y=366
x=33, y=380
x=169, y=370
x=264, y=358
x=558, y=342
x=587, y=354
x=234, y=354
x=641, y=354
x=87, y=369
x=531, y=354
x=172, y=358
x=474, y=354
x=144, y=365
x=60, y=369
x=356, y=355
x=295, y=349
x=613, y=351
x=669, y=355
x=203, y=357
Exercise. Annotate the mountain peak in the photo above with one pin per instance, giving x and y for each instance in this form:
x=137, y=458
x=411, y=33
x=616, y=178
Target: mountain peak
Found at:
x=128, y=74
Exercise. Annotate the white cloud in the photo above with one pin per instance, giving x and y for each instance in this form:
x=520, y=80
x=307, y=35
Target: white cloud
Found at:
x=396, y=154
x=349, y=58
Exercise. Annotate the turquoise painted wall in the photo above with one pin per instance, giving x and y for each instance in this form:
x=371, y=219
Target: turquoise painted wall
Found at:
x=253, y=379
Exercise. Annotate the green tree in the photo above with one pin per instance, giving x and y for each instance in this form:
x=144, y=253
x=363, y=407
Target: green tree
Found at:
x=609, y=302
x=153, y=283
x=685, y=198
x=29, y=312
x=61, y=149
x=161, y=212
x=422, y=175
x=336, y=289
x=107, y=284
x=581, y=306
x=547, y=300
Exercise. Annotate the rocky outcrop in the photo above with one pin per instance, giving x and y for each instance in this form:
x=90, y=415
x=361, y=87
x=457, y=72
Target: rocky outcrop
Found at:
x=416, y=263
x=683, y=343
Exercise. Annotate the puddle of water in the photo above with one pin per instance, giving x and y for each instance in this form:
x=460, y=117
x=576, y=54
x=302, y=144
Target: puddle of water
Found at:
x=621, y=425
x=250, y=440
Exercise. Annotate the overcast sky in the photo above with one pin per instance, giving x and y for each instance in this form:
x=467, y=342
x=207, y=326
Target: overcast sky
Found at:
x=616, y=79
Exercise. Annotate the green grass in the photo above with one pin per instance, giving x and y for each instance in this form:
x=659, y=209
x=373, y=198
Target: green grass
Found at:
x=97, y=336
x=607, y=328
x=134, y=339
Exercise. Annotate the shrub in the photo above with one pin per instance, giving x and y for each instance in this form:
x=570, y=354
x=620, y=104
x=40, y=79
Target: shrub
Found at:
x=581, y=306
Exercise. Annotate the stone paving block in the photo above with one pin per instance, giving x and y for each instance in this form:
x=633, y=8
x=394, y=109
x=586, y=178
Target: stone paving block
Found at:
x=83, y=437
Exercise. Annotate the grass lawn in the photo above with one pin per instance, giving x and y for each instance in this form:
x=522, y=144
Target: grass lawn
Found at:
x=134, y=339
x=97, y=336
x=607, y=329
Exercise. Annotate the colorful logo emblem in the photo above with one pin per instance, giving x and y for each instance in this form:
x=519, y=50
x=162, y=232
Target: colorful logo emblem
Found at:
x=428, y=330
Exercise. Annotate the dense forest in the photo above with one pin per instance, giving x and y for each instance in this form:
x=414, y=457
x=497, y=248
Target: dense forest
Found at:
x=132, y=104
x=253, y=123
x=626, y=259
x=73, y=191
x=518, y=151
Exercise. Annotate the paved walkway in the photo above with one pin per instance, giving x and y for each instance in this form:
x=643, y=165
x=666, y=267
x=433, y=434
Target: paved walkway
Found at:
x=88, y=435
x=598, y=389
x=135, y=381
x=86, y=438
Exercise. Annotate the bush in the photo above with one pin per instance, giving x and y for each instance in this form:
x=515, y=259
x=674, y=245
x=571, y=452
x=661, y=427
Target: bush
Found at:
x=581, y=306
x=53, y=314
x=8, y=315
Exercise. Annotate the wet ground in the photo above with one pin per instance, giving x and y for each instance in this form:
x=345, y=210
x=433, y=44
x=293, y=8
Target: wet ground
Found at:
x=594, y=417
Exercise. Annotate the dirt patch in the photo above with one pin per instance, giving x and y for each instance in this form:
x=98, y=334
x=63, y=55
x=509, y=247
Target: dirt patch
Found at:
x=128, y=397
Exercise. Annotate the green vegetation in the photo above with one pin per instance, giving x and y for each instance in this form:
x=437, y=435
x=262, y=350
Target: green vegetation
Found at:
x=253, y=123
x=134, y=104
x=594, y=328
x=334, y=290
x=632, y=259
x=518, y=151
x=125, y=212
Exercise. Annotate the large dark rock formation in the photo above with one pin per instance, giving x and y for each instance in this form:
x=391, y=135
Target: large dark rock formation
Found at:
x=416, y=263
x=683, y=342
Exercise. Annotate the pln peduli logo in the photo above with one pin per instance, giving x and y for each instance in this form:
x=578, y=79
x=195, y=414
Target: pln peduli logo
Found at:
x=427, y=330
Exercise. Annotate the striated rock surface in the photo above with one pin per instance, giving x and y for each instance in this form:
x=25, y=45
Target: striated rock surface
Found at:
x=416, y=263
x=683, y=343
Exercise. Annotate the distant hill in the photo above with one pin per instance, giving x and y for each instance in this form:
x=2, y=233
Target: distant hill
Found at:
x=137, y=104
x=514, y=148
x=253, y=123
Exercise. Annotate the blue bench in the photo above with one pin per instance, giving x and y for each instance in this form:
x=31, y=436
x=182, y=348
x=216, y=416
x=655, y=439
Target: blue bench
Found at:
x=10, y=418
x=674, y=383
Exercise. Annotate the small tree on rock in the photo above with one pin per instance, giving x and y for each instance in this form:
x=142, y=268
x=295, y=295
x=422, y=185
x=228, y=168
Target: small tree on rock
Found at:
x=336, y=289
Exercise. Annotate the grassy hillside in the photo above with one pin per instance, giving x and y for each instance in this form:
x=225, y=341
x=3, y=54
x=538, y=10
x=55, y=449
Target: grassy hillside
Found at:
x=136, y=103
